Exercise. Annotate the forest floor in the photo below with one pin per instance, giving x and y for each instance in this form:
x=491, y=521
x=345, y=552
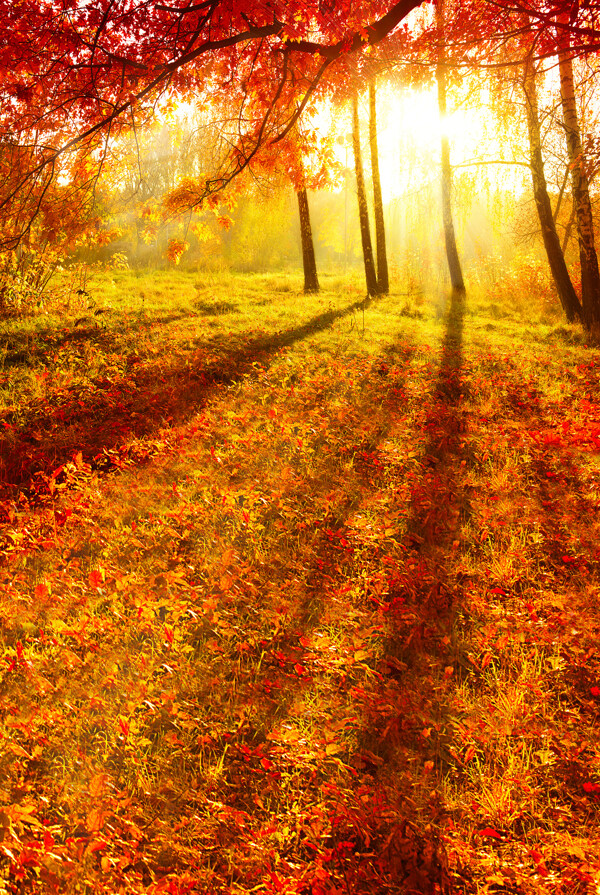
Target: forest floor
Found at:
x=298, y=595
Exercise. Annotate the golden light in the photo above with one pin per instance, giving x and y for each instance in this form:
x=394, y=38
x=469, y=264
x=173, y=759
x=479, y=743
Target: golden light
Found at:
x=409, y=136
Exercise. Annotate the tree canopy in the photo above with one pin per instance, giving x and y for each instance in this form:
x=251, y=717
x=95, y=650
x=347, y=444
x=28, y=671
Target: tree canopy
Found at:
x=74, y=74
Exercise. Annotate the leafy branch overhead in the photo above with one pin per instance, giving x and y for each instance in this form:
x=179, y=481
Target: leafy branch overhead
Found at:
x=78, y=74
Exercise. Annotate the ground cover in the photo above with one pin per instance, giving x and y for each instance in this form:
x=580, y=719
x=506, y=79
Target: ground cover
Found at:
x=298, y=595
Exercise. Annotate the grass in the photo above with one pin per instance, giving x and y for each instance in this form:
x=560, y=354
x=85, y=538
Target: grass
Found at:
x=299, y=595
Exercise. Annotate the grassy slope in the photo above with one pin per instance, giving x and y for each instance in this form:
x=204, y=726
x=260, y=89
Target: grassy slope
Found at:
x=295, y=599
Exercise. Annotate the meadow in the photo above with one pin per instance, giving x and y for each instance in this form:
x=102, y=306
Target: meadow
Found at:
x=298, y=594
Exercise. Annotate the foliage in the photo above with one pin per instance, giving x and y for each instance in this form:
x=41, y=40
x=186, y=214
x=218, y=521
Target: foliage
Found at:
x=63, y=93
x=26, y=281
x=298, y=595
x=527, y=275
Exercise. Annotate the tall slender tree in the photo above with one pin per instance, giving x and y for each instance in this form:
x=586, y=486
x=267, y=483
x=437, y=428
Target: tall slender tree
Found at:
x=383, y=278
x=562, y=280
x=556, y=260
x=363, y=209
x=454, y=266
x=588, y=259
x=309, y=264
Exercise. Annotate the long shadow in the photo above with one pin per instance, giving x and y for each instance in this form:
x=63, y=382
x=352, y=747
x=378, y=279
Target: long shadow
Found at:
x=417, y=859
x=438, y=505
x=130, y=407
x=272, y=686
x=423, y=596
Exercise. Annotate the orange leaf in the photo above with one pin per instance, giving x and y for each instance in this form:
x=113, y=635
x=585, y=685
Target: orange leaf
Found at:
x=98, y=785
x=469, y=753
x=95, y=820
x=97, y=845
x=96, y=579
x=42, y=591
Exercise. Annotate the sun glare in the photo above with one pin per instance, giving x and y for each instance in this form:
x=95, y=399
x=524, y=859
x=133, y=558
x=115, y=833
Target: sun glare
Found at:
x=410, y=133
x=409, y=136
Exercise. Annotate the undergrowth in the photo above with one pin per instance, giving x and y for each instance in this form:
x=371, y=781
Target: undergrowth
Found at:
x=299, y=594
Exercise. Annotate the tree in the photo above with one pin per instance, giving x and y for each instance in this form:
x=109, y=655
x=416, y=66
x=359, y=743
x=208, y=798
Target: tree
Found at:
x=564, y=286
x=590, y=274
x=383, y=280
x=456, y=277
x=363, y=210
x=311, y=279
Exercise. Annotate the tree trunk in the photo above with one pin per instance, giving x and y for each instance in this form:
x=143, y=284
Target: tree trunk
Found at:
x=456, y=277
x=556, y=260
x=311, y=280
x=363, y=211
x=590, y=275
x=383, y=277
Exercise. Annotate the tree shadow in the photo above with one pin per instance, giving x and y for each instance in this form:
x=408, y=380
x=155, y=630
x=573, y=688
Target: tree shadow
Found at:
x=438, y=505
x=110, y=413
x=417, y=606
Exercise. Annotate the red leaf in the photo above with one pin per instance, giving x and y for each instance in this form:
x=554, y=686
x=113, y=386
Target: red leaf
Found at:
x=489, y=832
x=591, y=787
x=469, y=753
x=595, y=691
x=300, y=670
x=42, y=591
x=96, y=579
x=48, y=841
x=124, y=725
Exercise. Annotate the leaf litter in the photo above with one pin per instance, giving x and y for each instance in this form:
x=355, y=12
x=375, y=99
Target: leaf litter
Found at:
x=325, y=620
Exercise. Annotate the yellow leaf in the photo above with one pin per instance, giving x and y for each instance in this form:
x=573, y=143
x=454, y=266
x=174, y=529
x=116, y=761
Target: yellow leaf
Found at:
x=95, y=820
x=228, y=557
x=98, y=785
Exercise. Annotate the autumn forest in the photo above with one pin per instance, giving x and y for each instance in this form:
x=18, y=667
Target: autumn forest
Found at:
x=299, y=447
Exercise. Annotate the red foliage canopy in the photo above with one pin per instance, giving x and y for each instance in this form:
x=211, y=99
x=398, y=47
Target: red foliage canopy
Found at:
x=74, y=72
